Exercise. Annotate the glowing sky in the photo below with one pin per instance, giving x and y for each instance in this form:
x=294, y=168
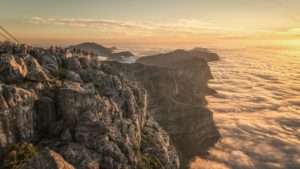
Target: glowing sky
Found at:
x=213, y=22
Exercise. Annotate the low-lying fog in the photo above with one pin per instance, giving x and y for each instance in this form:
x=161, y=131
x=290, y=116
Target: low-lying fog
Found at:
x=257, y=110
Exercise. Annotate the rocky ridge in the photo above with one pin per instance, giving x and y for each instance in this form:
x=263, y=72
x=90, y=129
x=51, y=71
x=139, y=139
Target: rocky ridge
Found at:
x=91, y=114
x=178, y=56
x=177, y=101
x=88, y=116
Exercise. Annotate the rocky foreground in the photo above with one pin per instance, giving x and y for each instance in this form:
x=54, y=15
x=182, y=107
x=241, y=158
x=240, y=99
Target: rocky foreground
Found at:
x=84, y=113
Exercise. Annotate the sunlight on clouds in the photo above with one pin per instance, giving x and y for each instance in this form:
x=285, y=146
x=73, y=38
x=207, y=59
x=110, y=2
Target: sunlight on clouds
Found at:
x=184, y=30
x=256, y=109
x=180, y=27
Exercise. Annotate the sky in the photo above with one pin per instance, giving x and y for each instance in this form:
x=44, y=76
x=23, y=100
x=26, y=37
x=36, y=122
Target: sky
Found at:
x=155, y=22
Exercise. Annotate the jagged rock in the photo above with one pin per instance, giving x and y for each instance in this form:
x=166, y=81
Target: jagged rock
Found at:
x=107, y=127
x=36, y=72
x=80, y=156
x=47, y=159
x=181, y=108
x=155, y=139
x=50, y=63
x=12, y=71
x=66, y=136
x=75, y=99
x=98, y=114
x=72, y=63
x=17, y=115
x=72, y=77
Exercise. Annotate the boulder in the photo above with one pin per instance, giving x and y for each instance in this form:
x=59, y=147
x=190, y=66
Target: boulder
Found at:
x=50, y=63
x=11, y=71
x=72, y=76
x=35, y=71
x=72, y=63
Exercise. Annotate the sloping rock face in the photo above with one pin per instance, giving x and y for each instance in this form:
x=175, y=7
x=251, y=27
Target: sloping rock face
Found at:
x=177, y=101
x=93, y=117
x=17, y=115
x=11, y=70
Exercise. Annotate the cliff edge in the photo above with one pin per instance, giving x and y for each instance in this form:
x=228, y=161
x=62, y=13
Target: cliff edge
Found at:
x=177, y=90
x=84, y=113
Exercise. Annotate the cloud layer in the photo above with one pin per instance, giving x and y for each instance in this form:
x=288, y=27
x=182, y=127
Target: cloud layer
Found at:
x=257, y=109
x=179, y=27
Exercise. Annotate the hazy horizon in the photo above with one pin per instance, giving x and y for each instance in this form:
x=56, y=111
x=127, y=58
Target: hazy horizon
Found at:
x=232, y=103
x=231, y=23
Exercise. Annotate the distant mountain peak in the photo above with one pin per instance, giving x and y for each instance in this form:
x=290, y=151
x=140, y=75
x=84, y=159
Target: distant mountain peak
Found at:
x=110, y=53
x=179, y=55
x=200, y=49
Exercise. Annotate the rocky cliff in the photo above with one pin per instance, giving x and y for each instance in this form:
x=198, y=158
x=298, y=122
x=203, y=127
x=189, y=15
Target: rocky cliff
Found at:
x=177, y=101
x=88, y=114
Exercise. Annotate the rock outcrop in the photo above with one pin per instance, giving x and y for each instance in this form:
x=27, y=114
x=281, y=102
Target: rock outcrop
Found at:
x=17, y=115
x=177, y=101
x=91, y=114
x=11, y=70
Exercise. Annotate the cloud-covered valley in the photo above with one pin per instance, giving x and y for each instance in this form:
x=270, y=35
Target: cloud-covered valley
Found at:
x=257, y=109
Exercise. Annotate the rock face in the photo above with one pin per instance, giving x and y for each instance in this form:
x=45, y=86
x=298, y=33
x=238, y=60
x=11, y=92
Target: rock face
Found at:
x=17, y=115
x=92, y=114
x=36, y=72
x=11, y=70
x=177, y=101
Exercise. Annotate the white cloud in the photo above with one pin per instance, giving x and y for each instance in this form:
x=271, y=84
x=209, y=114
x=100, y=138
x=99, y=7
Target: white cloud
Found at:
x=256, y=109
x=181, y=26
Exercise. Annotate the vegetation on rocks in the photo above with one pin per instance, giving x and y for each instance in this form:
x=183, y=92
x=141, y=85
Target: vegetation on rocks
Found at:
x=17, y=155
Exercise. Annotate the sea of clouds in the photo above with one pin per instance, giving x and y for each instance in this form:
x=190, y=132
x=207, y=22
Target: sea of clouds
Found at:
x=257, y=110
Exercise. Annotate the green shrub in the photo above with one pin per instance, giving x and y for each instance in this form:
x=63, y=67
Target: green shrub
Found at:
x=17, y=155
